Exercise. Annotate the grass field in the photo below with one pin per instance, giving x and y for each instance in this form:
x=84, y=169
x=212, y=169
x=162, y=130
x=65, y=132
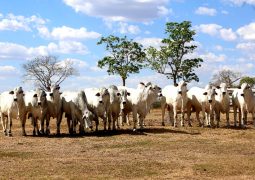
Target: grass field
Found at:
x=156, y=153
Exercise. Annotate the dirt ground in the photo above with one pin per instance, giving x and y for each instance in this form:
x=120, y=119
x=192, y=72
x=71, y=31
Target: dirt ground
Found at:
x=156, y=153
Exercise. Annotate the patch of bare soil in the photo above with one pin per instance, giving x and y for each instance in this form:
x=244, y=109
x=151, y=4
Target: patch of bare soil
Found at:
x=157, y=152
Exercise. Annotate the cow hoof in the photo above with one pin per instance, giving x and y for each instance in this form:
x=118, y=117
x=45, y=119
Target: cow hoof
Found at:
x=47, y=132
x=190, y=125
x=163, y=124
x=24, y=134
x=9, y=134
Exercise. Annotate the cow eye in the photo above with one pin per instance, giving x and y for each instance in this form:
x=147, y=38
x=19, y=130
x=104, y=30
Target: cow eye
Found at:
x=205, y=93
x=35, y=95
x=128, y=94
x=118, y=94
x=97, y=94
x=11, y=92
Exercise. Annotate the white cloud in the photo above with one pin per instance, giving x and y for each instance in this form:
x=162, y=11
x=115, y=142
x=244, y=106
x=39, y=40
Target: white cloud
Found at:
x=249, y=46
x=124, y=28
x=68, y=33
x=224, y=12
x=121, y=10
x=218, y=47
x=247, y=32
x=241, y=2
x=206, y=11
x=211, y=57
x=12, y=51
x=217, y=30
x=12, y=22
x=146, y=42
x=7, y=69
x=228, y=34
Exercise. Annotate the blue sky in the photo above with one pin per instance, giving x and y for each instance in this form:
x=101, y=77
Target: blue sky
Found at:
x=70, y=29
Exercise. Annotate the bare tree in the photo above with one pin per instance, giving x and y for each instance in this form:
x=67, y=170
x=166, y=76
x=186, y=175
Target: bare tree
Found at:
x=226, y=76
x=45, y=71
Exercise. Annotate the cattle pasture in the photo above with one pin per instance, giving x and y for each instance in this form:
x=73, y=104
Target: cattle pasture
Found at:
x=157, y=153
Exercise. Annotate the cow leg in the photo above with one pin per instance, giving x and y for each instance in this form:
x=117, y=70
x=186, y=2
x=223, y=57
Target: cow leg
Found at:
x=163, y=110
x=235, y=114
x=97, y=123
x=42, y=126
x=198, y=120
x=227, y=118
x=114, y=119
x=109, y=120
x=34, y=125
x=242, y=118
x=175, y=116
x=134, y=118
x=59, y=119
x=9, y=125
x=3, y=124
x=47, y=126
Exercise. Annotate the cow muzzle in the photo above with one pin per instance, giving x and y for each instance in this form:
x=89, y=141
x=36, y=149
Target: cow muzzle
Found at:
x=15, y=99
x=39, y=103
x=179, y=92
x=210, y=101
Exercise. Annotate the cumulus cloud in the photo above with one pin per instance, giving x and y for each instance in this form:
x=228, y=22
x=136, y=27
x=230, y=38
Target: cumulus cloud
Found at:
x=147, y=42
x=68, y=33
x=7, y=69
x=133, y=10
x=206, y=11
x=217, y=30
x=247, y=32
x=211, y=57
x=124, y=28
x=12, y=51
x=12, y=22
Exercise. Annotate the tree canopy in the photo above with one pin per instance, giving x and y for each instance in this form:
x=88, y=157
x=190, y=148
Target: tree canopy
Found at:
x=248, y=80
x=126, y=56
x=172, y=57
x=226, y=76
x=45, y=71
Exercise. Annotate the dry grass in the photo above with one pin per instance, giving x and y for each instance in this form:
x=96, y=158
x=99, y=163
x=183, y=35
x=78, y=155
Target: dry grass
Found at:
x=156, y=153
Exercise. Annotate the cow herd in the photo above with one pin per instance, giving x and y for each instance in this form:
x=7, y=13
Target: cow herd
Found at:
x=114, y=104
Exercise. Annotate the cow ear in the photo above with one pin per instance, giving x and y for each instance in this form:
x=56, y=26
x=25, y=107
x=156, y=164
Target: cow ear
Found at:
x=11, y=92
x=142, y=83
x=35, y=95
x=218, y=87
x=128, y=93
x=118, y=94
x=97, y=94
x=60, y=93
x=175, y=84
x=205, y=93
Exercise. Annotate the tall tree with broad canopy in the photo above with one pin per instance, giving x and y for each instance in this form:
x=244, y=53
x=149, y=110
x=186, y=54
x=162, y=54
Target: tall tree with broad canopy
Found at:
x=126, y=56
x=45, y=71
x=248, y=80
x=172, y=57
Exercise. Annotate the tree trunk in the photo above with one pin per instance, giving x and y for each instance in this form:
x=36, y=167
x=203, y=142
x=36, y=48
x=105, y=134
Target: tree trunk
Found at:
x=174, y=79
x=124, y=81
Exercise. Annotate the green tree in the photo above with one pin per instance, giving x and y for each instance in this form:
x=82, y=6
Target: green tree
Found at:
x=126, y=56
x=171, y=59
x=248, y=80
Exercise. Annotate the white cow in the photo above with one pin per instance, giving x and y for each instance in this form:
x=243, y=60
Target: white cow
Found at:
x=139, y=102
x=244, y=100
x=75, y=106
x=222, y=103
x=202, y=100
x=98, y=103
x=174, y=98
x=12, y=105
x=37, y=109
x=55, y=105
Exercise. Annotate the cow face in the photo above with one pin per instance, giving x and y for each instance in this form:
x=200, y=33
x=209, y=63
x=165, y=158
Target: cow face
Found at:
x=223, y=88
x=123, y=94
x=210, y=95
x=54, y=92
x=182, y=87
x=102, y=95
x=41, y=97
x=17, y=94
